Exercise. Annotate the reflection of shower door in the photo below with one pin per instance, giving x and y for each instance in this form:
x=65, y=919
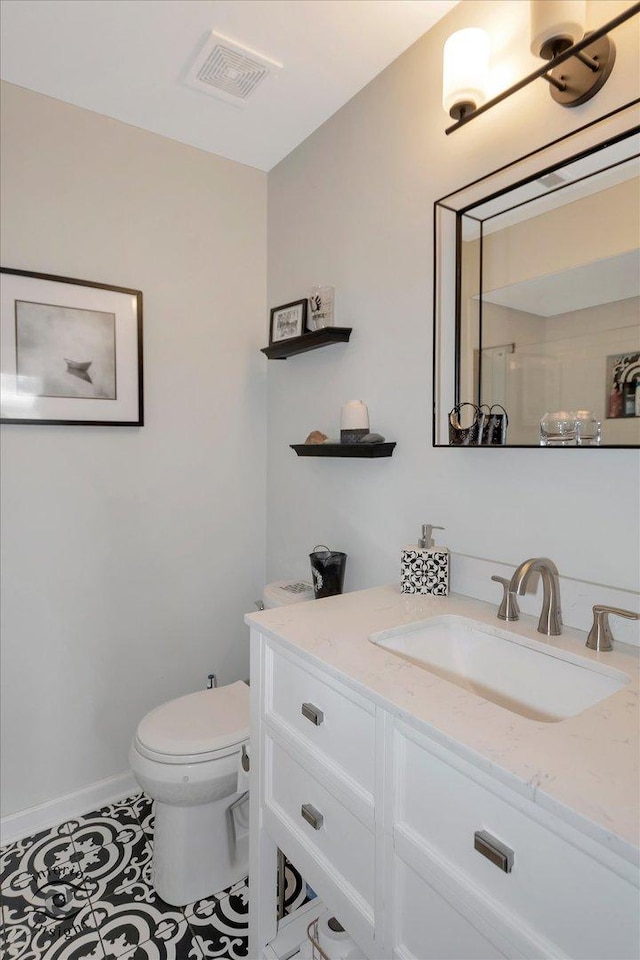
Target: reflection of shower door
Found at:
x=533, y=389
x=494, y=372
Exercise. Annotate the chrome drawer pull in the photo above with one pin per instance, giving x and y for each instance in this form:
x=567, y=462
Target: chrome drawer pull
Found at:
x=312, y=816
x=312, y=713
x=493, y=850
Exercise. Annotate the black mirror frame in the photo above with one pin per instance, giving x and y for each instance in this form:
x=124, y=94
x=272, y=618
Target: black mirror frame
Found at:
x=447, y=237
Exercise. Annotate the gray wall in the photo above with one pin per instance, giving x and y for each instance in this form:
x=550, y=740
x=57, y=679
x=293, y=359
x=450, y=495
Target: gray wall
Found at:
x=130, y=555
x=352, y=206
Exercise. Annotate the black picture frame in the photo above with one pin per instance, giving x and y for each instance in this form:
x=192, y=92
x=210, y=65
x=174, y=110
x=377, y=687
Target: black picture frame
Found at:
x=71, y=351
x=288, y=321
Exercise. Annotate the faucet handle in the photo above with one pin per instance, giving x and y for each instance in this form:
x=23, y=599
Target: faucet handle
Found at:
x=509, y=609
x=600, y=636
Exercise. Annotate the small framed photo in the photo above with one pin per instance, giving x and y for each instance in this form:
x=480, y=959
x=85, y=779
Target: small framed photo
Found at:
x=288, y=321
x=71, y=351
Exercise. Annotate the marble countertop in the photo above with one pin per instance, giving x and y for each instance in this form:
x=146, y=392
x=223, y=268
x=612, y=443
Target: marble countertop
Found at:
x=584, y=769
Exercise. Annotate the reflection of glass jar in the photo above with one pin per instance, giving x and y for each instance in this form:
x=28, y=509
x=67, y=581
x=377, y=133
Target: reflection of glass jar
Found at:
x=558, y=429
x=588, y=429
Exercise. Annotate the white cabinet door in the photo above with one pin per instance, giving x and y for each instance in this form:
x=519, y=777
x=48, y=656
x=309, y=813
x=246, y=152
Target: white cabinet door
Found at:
x=428, y=927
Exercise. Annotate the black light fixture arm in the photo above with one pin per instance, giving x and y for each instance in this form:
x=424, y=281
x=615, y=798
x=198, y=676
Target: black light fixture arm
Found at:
x=587, y=60
x=558, y=84
x=574, y=51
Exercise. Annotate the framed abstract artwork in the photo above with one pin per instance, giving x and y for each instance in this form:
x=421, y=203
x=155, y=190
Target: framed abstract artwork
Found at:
x=71, y=351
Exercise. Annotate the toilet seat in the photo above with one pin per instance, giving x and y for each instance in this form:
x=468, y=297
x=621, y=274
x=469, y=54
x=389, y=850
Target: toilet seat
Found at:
x=198, y=727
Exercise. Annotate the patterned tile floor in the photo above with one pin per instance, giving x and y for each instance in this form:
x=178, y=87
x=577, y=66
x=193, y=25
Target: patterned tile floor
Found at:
x=83, y=891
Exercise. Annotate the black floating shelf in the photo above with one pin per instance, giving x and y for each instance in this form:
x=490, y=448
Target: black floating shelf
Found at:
x=343, y=449
x=308, y=341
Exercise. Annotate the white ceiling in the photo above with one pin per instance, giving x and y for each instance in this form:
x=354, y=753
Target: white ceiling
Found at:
x=127, y=59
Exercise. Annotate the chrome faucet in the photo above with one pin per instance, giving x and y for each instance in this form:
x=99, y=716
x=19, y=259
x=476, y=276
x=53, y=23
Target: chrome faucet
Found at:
x=550, y=622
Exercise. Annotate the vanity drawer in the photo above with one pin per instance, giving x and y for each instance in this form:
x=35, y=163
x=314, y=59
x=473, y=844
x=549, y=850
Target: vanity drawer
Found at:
x=326, y=716
x=556, y=888
x=335, y=840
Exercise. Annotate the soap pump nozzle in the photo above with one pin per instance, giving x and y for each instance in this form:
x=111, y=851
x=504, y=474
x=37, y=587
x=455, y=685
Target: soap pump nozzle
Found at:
x=426, y=540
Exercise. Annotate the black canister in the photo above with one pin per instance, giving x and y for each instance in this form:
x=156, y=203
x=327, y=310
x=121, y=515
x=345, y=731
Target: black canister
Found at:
x=327, y=569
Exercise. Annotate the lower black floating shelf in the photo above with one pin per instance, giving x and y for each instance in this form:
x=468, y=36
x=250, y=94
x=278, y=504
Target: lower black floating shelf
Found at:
x=343, y=449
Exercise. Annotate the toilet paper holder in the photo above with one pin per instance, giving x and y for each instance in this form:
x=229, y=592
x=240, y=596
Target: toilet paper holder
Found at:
x=312, y=935
x=342, y=946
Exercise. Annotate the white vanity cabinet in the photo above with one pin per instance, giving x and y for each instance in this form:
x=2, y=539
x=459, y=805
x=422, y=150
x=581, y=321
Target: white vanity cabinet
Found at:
x=381, y=819
x=563, y=896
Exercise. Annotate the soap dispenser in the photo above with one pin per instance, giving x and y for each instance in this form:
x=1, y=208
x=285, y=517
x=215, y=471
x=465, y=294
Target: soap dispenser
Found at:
x=425, y=567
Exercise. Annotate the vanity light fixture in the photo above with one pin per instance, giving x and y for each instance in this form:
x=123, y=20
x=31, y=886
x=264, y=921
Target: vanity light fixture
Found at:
x=557, y=26
x=577, y=66
x=464, y=72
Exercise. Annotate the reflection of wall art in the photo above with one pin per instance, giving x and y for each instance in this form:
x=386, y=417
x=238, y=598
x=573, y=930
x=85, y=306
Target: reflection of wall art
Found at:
x=288, y=321
x=71, y=351
x=623, y=386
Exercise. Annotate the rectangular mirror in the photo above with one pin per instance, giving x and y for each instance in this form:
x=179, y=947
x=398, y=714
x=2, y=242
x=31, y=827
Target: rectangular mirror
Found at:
x=537, y=298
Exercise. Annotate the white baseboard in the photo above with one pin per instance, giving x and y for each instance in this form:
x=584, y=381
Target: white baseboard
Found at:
x=50, y=814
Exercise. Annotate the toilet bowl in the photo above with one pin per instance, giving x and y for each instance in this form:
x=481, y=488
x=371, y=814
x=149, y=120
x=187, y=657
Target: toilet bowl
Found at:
x=186, y=755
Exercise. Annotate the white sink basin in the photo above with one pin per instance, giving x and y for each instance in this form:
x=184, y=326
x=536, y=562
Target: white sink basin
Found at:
x=523, y=675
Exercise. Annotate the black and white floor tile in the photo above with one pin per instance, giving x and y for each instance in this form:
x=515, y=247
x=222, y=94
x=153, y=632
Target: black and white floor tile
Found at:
x=83, y=891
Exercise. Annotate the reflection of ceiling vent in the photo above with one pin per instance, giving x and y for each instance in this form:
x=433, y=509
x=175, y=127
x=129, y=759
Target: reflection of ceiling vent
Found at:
x=229, y=71
x=551, y=180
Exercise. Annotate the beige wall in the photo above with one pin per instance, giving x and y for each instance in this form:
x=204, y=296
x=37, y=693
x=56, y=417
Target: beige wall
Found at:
x=592, y=228
x=352, y=206
x=130, y=555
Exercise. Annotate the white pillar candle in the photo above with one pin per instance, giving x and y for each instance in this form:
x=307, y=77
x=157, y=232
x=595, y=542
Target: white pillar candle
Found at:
x=354, y=416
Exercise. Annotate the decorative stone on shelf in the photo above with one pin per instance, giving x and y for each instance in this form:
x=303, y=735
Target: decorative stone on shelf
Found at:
x=316, y=436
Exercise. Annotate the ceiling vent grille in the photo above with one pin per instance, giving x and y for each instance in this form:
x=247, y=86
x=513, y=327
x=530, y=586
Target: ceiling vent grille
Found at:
x=228, y=70
x=551, y=180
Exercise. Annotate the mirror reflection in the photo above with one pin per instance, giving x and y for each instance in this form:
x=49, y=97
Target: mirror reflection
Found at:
x=547, y=305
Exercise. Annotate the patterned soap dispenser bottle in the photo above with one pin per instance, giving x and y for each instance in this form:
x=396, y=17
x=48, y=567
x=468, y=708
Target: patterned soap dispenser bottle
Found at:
x=425, y=567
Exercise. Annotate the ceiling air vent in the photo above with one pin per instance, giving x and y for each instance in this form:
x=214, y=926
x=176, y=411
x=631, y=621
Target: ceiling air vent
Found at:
x=229, y=71
x=551, y=180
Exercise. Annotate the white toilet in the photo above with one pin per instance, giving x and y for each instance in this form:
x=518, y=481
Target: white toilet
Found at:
x=187, y=756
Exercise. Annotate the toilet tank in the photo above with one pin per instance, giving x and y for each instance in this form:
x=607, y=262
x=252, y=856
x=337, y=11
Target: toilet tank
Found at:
x=280, y=593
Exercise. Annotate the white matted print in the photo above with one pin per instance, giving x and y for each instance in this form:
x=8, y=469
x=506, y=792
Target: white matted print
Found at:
x=288, y=321
x=71, y=351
